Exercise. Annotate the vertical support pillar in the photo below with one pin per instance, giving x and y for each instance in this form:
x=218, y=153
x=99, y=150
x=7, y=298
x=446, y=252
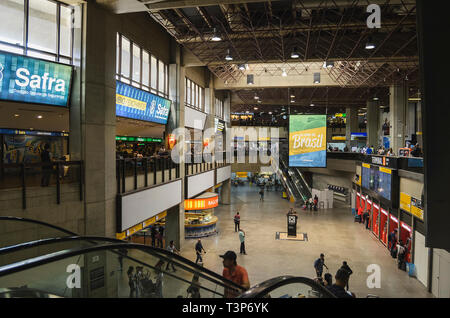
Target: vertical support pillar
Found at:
x=372, y=123
x=351, y=125
x=398, y=102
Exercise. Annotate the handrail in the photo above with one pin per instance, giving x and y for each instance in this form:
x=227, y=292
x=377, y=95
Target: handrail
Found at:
x=178, y=257
x=118, y=244
x=19, y=219
x=267, y=286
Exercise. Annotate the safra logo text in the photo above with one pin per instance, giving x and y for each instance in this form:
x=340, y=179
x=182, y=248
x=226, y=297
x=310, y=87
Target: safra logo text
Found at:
x=39, y=82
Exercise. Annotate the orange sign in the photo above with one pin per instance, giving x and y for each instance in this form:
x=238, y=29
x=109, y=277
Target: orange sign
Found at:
x=171, y=141
x=201, y=204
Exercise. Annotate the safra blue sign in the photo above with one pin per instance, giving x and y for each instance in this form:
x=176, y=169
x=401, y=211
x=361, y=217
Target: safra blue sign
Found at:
x=30, y=80
x=138, y=104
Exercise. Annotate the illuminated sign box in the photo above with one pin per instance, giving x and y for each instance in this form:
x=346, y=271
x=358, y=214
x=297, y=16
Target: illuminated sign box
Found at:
x=201, y=204
x=307, y=141
x=137, y=104
x=30, y=80
x=140, y=139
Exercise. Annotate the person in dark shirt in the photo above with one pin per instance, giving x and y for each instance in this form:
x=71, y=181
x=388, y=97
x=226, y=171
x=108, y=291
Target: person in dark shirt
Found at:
x=319, y=264
x=338, y=288
x=46, y=159
x=198, y=250
x=153, y=235
x=348, y=269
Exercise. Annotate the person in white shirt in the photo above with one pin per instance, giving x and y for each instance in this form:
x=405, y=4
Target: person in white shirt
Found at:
x=172, y=249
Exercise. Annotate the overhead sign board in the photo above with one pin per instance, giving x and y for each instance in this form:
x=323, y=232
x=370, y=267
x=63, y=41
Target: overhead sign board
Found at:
x=307, y=141
x=137, y=104
x=29, y=80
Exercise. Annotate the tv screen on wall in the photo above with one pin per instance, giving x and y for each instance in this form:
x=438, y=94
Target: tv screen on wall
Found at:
x=135, y=103
x=30, y=80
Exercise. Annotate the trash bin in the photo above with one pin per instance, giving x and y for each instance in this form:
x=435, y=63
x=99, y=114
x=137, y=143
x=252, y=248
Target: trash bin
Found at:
x=411, y=269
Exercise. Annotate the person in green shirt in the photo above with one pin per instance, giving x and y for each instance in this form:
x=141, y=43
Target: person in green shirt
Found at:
x=242, y=239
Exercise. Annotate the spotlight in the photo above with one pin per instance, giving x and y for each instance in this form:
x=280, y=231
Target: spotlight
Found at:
x=327, y=64
x=241, y=67
x=216, y=37
x=295, y=54
x=284, y=74
x=370, y=45
x=316, y=78
x=228, y=57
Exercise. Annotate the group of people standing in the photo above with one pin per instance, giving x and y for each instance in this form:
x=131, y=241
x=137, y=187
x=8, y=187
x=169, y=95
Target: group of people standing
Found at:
x=157, y=235
x=399, y=249
x=340, y=288
x=311, y=203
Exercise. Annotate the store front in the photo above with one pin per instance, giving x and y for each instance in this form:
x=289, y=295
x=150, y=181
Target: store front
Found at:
x=127, y=146
x=200, y=220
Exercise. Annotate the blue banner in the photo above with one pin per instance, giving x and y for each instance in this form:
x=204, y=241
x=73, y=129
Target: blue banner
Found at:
x=137, y=104
x=29, y=80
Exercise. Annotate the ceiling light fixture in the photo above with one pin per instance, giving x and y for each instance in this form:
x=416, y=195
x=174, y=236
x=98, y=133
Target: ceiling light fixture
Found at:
x=295, y=54
x=327, y=64
x=16, y=115
x=292, y=96
x=370, y=45
x=256, y=108
x=242, y=67
x=216, y=37
x=228, y=57
x=39, y=116
x=284, y=74
x=312, y=105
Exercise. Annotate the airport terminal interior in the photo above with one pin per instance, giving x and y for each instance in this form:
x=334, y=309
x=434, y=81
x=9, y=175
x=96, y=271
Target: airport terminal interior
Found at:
x=223, y=149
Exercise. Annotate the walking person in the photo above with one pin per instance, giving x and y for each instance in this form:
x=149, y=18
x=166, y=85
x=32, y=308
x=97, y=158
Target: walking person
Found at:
x=319, y=264
x=316, y=202
x=153, y=235
x=310, y=203
x=171, y=248
x=159, y=239
x=261, y=193
x=392, y=240
x=198, y=250
x=242, y=240
x=232, y=271
x=348, y=269
x=46, y=158
x=237, y=222
x=131, y=281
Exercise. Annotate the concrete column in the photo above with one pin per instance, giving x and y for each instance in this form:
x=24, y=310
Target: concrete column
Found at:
x=94, y=139
x=175, y=216
x=419, y=126
x=372, y=123
x=410, y=121
x=351, y=125
x=225, y=194
x=398, y=102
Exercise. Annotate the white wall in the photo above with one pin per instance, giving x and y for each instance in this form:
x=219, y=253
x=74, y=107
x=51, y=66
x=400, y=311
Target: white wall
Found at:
x=194, y=118
x=421, y=258
x=140, y=206
x=441, y=274
x=200, y=183
x=223, y=174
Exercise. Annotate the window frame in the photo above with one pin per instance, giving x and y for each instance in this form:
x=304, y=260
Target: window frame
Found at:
x=194, y=96
x=57, y=56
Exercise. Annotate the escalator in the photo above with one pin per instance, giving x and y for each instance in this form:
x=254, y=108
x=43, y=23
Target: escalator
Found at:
x=292, y=178
x=72, y=266
x=85, y=267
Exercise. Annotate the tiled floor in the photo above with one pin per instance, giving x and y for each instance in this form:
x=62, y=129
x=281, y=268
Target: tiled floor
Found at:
x=331, y=232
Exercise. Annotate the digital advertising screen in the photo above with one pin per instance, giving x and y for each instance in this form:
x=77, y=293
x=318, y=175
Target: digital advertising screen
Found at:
x=308, y=141
x=137, y=104
x=29, y=80
x=377, y=179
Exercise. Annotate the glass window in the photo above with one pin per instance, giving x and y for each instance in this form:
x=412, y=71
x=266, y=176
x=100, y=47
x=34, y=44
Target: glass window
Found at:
x=145, y=68
x=11, y=21
x=65, y=42
x=42, y=25
x=43, y=56
x=154, y=70
x=136, y=63
x=161, y=80
x=167, y=80
x=117, y=54
x=125, y=57
x=10, y=48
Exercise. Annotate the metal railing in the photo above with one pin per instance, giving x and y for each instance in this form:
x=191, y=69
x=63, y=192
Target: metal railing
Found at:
x=25, y=175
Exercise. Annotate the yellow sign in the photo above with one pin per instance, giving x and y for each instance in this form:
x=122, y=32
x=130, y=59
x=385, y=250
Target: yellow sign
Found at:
x=201, y=204
x=134, y=229
x=130, y=102
x=140, y=226
x=365, y=165
x=339, y=138
x=306, y=141
x=241, y=174
x=417, y=212
x=385, y=170
x=405, y=202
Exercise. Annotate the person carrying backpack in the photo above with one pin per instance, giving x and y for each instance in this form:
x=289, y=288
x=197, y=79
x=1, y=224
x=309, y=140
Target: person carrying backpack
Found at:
x=237, y=222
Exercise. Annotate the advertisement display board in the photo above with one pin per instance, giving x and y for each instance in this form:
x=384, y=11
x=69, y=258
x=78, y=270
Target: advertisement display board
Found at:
x=30, y=80
x=307, y=141
x=137, y=104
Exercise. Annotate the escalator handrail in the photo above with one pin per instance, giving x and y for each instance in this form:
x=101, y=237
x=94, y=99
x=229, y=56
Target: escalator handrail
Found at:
x=55, y=240
x=180, y=258
x=45, y=259
x=19, y=219
x=267, y=286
